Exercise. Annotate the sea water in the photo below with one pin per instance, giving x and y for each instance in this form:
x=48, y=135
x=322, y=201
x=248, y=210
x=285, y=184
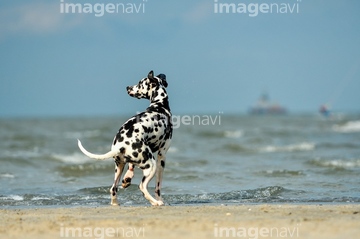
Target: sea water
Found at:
x=241, y=159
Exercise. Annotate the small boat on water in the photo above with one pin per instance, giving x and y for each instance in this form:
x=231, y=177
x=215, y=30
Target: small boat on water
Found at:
x=265, y=107
x=324, y=110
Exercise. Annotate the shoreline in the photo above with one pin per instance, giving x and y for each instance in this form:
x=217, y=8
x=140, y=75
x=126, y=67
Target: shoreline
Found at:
x=212, y=204
x=184, y=221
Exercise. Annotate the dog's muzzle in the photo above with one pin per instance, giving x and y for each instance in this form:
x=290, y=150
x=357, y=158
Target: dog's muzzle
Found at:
x=129, y=91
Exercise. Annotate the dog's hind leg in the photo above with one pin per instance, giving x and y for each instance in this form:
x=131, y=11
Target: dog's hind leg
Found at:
x=128, y=176
x=149, y=170
x=119, y=167
x=159, y=174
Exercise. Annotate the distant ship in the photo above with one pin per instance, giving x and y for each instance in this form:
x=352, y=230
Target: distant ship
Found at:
x=324, y=110
x=265, y=107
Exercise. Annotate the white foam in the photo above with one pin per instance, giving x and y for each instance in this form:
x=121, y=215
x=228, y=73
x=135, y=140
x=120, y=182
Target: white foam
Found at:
x=173, y=150
x=233, y=134
x=14, y=197
x=40, y=198
x=75, y=158
x=305, y=146
x=34, y=153
x=349, y=127
x=85, y=134
x=339, y=163
x=7, y=175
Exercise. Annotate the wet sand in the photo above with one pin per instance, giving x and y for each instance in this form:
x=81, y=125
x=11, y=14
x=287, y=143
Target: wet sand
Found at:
x=234, y=221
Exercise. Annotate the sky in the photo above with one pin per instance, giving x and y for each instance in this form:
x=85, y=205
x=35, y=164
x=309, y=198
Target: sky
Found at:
x=55, y=63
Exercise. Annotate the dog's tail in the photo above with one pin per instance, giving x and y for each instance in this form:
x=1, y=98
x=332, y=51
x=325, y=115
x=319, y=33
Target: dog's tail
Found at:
x=109, y=154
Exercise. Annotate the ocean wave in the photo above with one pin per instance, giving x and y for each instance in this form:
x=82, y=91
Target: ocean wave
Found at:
x=252, y=195
x=37, y=198
x=337, y=163
x=346, y=145
x=237, y=148
x=132, y=196
x=20, y=154
x=349, y=127
x=282, y=173
x=96, y=190
x=31, y=200
x=173, y=150
x=305, y=146
x=75, y=158
x=83, y=134
x=87, y=169
x=12, y=198
x=233, y=134
x=7, y=175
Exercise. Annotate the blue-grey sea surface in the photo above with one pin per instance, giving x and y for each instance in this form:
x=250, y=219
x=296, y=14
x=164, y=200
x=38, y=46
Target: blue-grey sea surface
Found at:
x=220, y=160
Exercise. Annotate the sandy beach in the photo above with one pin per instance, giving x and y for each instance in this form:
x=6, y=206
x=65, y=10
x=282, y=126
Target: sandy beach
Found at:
x=235, y=221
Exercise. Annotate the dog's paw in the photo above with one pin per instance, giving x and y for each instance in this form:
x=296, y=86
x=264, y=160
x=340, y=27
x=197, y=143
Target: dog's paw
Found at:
x=157, y=203
x=126, y=182
x=114, y=202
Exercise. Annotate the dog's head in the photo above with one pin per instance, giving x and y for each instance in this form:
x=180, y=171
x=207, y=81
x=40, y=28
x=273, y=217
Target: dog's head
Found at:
x=146, y=86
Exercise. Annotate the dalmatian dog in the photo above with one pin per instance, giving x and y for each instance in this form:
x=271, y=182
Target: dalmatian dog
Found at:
x=143, y=140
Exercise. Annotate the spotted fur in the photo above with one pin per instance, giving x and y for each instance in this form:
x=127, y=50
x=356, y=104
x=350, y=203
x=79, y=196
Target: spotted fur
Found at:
x=142, y=140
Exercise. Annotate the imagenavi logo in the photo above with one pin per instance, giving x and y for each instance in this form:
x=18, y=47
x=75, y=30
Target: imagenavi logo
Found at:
x=99, y=9
x=254, y=9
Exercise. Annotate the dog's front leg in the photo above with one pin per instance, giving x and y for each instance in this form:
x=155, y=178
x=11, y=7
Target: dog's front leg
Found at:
x=119, y=167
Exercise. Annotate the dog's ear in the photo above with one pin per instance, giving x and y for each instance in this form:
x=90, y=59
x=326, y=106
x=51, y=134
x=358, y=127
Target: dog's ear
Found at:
x=162, y=77
x=151, y=75
x=152, y=79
